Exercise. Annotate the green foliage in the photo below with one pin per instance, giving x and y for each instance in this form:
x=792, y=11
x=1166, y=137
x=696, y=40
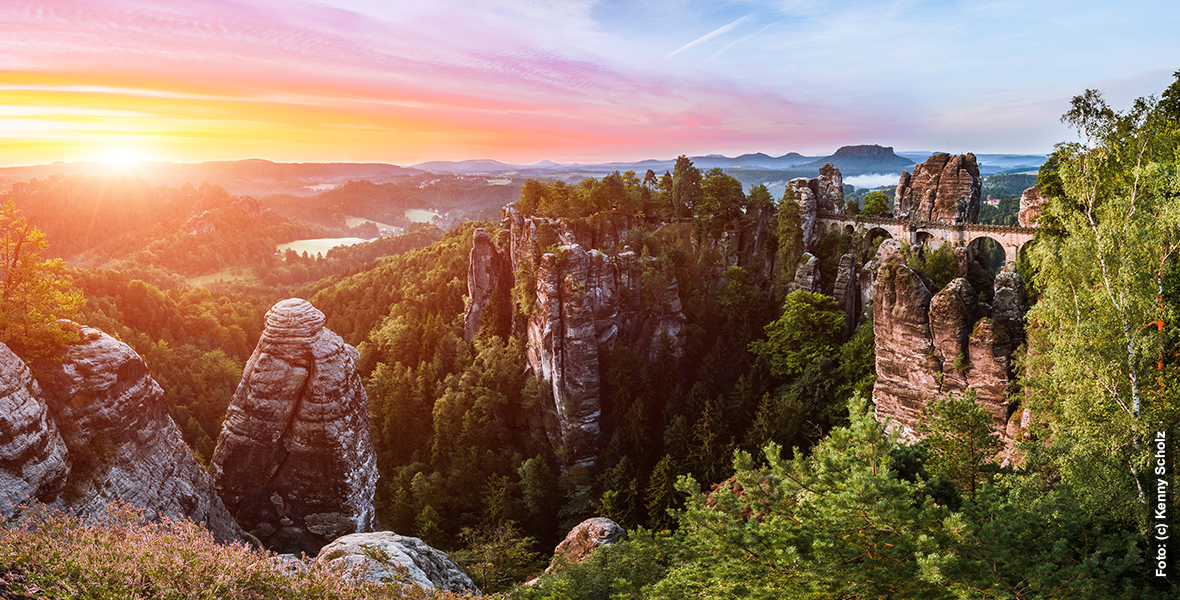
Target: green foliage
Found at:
x=497, y=556
x=809, y=327
x=939, y=265
x=34, y=293
x=790, y=234
x=876, y=204
x=621, y=571
x=962, y=440
x=1115, y=219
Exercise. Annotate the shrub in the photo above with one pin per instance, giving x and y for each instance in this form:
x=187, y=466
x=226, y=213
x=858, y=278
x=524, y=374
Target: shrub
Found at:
x=122, y=554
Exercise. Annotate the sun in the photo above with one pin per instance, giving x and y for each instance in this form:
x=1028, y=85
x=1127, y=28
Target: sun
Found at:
x=120, y=155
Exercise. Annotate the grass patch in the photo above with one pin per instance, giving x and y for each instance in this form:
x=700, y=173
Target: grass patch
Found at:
x=53, y=554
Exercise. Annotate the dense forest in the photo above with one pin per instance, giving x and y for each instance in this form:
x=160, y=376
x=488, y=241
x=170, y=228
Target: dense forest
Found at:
x=745, y=463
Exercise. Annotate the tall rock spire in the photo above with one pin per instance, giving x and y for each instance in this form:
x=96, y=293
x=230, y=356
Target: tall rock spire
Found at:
x=294, y=463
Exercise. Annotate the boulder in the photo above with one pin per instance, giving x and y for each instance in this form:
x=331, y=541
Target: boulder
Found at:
x=34, y=460
x=122, y=444
x=584, y=538
x=294, y=462
x=386, y=557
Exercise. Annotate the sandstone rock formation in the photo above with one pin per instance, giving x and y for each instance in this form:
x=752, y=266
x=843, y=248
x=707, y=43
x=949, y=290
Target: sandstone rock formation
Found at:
x=807, y=276
x=808, y=209
x=489, y=279
x=1031, y=204
x=92, y=429
x=294, y=463
x=587, y=300
x=847, y=293
x=584, y=538
x=933, y=342
x=202, y=223
x=381, y=555
x=829, y=189
x=943, y=189
x=34, y=460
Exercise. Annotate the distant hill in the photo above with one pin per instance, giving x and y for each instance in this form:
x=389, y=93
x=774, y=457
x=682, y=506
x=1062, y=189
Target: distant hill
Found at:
x=869, y=158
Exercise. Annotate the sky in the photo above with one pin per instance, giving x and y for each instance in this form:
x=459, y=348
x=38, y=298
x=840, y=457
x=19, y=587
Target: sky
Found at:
x=521, y=81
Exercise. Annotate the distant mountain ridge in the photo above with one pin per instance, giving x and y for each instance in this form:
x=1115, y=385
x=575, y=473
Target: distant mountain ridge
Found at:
x=864, y=158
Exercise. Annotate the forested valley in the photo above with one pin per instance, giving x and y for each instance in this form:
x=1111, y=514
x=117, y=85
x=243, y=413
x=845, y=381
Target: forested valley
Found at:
x=745, y=461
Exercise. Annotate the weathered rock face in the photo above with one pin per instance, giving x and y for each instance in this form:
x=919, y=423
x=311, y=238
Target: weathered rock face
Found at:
x=34, y=460
x=382, y=554
x=807, y=276
x=489, y=279
x=808, y=209
x=847, y=293
x=202, y=223
x=294, y=463
x=829, y=189
x=587, y=301
x=1031, y=204
x=930, y=344
x=943, y=189
x=94, y=429
x=584, y=538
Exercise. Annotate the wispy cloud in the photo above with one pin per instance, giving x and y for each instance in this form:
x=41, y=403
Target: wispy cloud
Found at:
x=708, y=36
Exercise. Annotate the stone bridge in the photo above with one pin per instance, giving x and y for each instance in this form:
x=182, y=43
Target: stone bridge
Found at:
x=918, y=232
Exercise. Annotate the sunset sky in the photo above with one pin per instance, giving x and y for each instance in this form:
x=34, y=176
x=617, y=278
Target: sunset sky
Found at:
x=565, y=80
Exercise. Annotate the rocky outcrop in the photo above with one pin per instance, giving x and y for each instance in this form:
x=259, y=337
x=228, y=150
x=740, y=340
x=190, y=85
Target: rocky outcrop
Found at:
x=930, y=343
x=829, y=189
x=807, y=276
x=386, y=557
x=587, y=300
x=93, y=429
x=202, y=223
x=808, y=209
x=34, y=460
x=584, y=538
x=1031, y=204
x=847, y=293
x=294, y=463
x=489, y=280
x=944, y=189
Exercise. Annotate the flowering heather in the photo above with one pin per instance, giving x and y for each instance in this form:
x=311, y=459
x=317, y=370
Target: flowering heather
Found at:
x=53, y=554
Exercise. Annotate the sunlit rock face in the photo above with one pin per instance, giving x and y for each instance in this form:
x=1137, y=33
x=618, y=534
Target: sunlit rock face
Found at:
x=294, y=463
x=581, y=541
x=1032, y=202
x=489, y=280
x=933, y=342
x=34, y=461
x=122, y=445
x=386, y=557
x=944, y=189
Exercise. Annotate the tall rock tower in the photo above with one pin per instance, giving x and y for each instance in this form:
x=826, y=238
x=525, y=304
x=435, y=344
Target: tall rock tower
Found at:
x=294, y=463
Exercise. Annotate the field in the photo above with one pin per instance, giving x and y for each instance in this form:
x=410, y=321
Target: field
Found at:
x=417, y=215
x=223, y=276
x=351, y=221
x=319, y=245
